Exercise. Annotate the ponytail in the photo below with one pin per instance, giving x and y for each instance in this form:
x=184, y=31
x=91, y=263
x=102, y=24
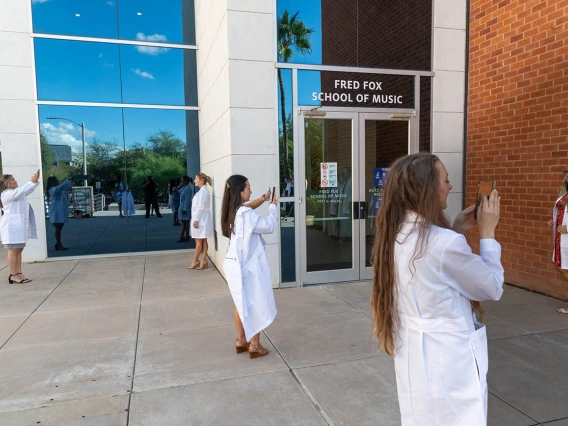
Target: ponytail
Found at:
x=4, y=183
x=205, y=178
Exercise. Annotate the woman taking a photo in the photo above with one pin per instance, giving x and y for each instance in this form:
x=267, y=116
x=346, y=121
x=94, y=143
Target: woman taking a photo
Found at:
x=246, y=267
x=426, y=291
x=559, y=225
x=59, y=206
x=201, y=220
x=17, y=224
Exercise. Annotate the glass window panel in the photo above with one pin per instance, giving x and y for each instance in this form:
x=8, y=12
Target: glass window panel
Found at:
x=158, y=76
x=172, y=21
x=91, y=72
x=77, y=71
x=425, y=114
x=285, y=132
x=92, y=18
x=288, y=242
x=155, y=145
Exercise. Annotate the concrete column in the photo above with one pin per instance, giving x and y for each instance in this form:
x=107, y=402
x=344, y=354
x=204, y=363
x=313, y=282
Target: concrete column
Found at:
x=19, y=130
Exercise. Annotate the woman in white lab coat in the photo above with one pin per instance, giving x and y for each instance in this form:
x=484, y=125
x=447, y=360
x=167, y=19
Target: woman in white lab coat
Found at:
x=17, y=224
x=201, y=220
x=58, y=206
x=426, y=292
x=246, y=267
x=559, y=225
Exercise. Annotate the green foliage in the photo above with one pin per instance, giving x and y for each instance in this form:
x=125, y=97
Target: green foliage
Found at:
x=47, y=155
x=160, y=167
x=165, y=142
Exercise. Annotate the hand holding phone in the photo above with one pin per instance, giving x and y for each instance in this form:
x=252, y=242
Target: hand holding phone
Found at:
x=484, y=189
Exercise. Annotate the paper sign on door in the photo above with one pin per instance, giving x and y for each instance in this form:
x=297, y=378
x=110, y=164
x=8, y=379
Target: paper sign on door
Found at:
x=328, y=175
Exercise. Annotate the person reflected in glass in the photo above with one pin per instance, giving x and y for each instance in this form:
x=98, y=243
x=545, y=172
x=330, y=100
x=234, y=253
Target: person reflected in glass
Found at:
x=344, y=221
x=175, y=200
x=245, y=265
x=427, y=286
x=559, y=224
x=17, y=223
x=186, y=191
x=128, y=207
x=150, y=188
x=201, y=221
x=58, y=206
x=118, y=197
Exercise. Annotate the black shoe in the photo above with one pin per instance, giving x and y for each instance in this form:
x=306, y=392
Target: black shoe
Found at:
x=181, y=240
x=146, y=217
x=60, y=247
x=159, y=217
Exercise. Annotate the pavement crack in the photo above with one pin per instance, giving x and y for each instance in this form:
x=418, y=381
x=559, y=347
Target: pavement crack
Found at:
x=312, y=399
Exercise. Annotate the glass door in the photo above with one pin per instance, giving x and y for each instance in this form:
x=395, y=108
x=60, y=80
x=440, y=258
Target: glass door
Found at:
x=329, y=240
x=382, y=140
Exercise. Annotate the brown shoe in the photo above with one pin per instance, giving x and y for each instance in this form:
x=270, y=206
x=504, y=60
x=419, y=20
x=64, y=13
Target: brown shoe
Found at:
x=241, y=346
x=256, y=351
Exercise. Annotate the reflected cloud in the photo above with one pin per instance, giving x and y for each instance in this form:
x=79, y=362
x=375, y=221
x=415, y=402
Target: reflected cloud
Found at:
x=64, y=133
x=148, y=50
x=39, y=1
x=143, y=73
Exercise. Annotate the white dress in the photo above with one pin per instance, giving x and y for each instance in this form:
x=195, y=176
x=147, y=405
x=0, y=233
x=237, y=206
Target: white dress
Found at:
x=440, y=348
x=247, y=272
x=200, y=212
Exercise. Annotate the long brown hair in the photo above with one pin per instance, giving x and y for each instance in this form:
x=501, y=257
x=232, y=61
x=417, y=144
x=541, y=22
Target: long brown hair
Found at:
x=232, y=200
x=4, y=184
x=205, y=178
x=412, y=186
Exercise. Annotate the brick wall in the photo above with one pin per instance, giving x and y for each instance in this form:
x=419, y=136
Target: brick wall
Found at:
x=518, y=127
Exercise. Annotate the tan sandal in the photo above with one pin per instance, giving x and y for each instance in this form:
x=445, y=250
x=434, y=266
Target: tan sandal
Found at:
x=562, y=310
x=241, y=346
x=257, y=351
x=193, y=265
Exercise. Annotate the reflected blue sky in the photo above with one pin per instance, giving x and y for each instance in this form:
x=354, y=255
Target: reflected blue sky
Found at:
x=148, y=20
x=310, y=14
x=105, y=124
x=91, y=72
x=308, y=82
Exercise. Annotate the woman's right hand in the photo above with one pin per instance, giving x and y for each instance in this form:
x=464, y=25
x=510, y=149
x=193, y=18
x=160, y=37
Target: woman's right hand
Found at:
x=550, y=223
x=488, y=215
x=35, y=177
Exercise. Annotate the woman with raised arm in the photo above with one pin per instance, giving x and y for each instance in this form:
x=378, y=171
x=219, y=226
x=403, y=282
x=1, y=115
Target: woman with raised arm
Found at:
x=17, y=223
x=59, y=206
x=201, y=221
x=246, y=267
x=427, y=287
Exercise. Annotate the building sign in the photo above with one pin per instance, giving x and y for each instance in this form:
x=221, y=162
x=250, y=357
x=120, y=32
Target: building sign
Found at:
x=331, y=88
x=328, y=175
x=380, y=175
x=379, y=180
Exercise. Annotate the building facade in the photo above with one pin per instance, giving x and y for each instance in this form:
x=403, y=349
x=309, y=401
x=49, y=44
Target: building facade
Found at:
x=313, y=98
x=518, y=128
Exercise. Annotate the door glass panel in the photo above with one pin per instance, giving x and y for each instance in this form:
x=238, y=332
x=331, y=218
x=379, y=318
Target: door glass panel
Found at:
x=385, y=141
x=329, y=221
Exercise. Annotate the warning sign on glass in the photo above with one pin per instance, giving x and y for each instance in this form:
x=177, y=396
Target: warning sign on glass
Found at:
x=328, y=175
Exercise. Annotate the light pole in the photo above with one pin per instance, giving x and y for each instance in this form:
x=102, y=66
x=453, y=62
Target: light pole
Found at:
x=82, y=126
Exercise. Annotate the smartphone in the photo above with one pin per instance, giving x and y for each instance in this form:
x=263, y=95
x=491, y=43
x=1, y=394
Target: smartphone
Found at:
x=273, y=193
x=484, y=189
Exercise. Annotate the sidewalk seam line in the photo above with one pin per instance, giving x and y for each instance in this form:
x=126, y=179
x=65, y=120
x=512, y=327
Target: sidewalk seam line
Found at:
x=136, y=346
x=512, y=406
x=312, y=399
x=37, y=307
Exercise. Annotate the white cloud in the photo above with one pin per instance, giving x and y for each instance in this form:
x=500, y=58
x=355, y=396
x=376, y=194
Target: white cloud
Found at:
x=39, y=1
x=143, y=73
x=110, y=3
x=64, y=133
x=148, y=50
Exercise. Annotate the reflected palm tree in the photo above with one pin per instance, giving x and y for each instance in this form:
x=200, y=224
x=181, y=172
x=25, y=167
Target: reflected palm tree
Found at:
x=292, y=35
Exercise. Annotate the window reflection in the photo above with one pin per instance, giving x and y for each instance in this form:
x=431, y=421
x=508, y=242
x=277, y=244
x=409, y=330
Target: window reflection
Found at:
x=77, y=71
x=92, y=72
x=287, y=242
x=362, y=33
x=123, y=147
x=143, y=20
x=285, y=133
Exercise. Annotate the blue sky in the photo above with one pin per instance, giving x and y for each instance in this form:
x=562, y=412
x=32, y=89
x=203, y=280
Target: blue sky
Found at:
x=78, y=71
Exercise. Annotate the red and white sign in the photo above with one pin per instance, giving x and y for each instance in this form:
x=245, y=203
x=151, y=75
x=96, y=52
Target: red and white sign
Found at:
x=328, y=175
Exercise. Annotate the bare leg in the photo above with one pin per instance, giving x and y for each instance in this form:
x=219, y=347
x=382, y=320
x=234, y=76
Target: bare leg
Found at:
x=13, y=261
x=195, y=260
x=564, y=273
x=240, y=329
x=204, y=250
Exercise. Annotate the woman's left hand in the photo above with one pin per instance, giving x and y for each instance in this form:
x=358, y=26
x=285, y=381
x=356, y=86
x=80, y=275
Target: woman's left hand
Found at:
x=267, y=195
x=562, y=229
x=195, y=224
x=464, y=221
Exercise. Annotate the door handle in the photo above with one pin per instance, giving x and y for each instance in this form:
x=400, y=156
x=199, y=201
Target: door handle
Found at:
x=359, y=210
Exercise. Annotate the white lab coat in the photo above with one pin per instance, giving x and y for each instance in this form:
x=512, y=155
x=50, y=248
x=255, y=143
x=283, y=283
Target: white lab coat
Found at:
x=440, y=348
x=200, y=213
x=18, y=224
x=247, y=272
x=563, y=237
x=59, y=202
x=128, y=207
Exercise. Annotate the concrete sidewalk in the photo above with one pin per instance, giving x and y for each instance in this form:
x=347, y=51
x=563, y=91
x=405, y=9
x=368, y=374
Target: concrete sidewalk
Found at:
x=143, y=341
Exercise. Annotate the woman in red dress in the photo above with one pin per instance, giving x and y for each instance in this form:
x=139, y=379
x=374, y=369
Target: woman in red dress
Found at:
x=559, y=224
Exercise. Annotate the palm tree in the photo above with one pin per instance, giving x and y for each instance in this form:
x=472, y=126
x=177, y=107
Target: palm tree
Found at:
x=292, y=35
